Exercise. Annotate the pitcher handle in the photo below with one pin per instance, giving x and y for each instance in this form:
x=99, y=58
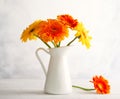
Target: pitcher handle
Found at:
x=39, y=59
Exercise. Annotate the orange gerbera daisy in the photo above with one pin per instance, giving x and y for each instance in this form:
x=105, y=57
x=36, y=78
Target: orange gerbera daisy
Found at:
x=53, y=30
x=101, y=85
x=43, y=32
x=68, y=20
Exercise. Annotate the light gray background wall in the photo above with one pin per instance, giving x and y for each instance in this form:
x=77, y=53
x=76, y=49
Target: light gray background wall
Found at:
x=101, y=17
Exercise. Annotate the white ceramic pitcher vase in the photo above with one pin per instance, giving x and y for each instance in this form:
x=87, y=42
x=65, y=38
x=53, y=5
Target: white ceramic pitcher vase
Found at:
x=58, y=79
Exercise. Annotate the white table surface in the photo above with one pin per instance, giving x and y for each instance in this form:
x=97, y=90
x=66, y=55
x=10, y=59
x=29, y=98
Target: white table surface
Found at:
x=33, y=89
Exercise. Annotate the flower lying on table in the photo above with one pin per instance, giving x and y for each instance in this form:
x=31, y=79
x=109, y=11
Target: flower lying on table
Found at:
x=100, y=85
x=53, y=31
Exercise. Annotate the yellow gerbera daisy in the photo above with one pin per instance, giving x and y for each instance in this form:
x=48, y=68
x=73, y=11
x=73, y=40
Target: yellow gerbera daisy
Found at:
x=31, y=31
x=82, y=34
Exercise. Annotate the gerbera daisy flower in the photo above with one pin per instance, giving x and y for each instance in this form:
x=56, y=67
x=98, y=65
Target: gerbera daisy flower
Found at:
x=43, y=32
x=52, y=30
x=57, y=30
x=30, y=31
x=82, y=34
x=101, y=85
x=68, y=20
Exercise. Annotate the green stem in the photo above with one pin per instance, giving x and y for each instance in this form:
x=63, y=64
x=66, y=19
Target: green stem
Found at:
x=54, y=44
x=46, y=44
x=72, y=41
x=59, y=44
x=86, y=89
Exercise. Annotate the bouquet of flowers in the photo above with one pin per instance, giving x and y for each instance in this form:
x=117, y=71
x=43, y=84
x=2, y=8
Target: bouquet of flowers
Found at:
x=53, y=31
